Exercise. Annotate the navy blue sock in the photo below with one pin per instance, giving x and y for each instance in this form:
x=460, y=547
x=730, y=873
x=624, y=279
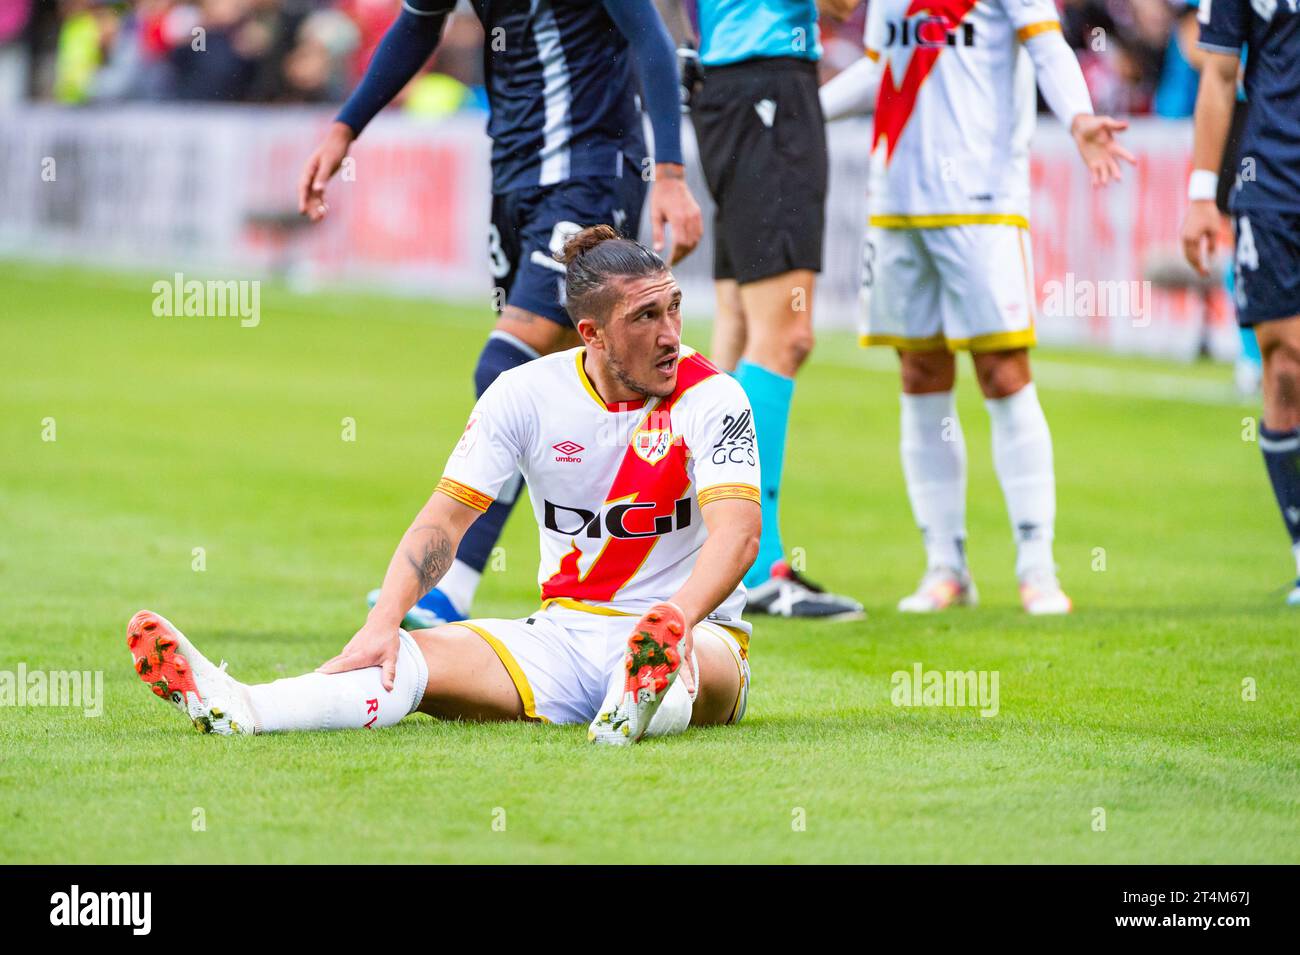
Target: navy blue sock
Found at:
x=501, y=353
x=1282, y=458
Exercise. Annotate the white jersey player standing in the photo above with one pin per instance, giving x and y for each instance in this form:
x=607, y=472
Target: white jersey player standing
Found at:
x=641, y=463
x=947, y=263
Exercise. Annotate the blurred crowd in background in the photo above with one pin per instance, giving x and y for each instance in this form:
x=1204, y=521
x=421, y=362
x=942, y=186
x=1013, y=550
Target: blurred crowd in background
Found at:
x=1138, y=55
x=224, y=51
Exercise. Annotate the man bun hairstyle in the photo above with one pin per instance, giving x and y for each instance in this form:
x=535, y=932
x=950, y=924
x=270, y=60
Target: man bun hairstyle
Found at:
x=594, y=259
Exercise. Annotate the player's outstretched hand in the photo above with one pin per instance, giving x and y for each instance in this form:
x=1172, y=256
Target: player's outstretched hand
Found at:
x=374, y=645
x=1200, y=231
x=1101, y=151
x=672, y=203
x=321, y=166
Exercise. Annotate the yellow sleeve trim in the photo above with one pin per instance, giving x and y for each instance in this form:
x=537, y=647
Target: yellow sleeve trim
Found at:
x=722, y=492
x=465, y=494
x=1030, y=30
x=872, y=55
x=944, y=220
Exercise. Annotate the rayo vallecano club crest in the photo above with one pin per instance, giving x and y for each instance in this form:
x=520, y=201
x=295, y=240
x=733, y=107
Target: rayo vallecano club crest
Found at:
x=651, y=445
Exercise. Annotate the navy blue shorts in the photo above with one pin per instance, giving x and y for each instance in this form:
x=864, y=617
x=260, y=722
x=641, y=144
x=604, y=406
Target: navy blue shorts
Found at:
x=530, y=225
x=1266, y=266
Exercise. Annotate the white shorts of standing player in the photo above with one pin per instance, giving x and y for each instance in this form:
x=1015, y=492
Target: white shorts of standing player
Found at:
x=966, y=287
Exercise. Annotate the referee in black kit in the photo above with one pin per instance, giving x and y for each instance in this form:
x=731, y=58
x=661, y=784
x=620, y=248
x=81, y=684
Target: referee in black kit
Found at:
x=762, y=142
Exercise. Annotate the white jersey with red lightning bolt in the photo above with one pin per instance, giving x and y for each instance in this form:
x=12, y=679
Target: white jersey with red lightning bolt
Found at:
x=955, y=111
x=616, y=490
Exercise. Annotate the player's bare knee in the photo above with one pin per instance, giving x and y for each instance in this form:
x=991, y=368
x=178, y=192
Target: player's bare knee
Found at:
x=1282, y=370
x=781, y=347
x=927, y=372
x=799, y=343
x=720, y=679
x=715, y=704
x=1001, y=374
x=729, y=334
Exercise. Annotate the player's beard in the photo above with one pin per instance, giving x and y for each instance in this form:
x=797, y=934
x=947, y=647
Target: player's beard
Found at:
x=625, y=378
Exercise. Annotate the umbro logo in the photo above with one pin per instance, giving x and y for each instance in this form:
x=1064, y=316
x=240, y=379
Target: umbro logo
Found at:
x=569, y=451
x=766, y=109
x=1293, y=515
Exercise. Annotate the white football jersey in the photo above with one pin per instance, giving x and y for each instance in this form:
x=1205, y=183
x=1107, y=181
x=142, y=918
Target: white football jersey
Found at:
x=955, y=111
x=616, y=490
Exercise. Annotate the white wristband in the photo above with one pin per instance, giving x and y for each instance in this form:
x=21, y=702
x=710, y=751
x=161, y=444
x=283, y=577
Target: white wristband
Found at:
x=1203, y=184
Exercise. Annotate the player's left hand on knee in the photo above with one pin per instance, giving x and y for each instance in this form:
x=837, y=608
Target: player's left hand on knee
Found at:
x=374, y=645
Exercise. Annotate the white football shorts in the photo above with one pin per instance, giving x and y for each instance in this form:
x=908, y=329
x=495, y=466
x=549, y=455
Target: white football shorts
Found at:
x=950, y=287
x=563, y=660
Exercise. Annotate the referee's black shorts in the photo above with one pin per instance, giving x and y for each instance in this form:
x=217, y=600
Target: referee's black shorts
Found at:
x=762, y=142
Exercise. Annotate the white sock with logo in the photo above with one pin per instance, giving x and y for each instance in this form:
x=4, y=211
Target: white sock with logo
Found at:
x=355, y=699
x=1022, y=456
x=934, y=467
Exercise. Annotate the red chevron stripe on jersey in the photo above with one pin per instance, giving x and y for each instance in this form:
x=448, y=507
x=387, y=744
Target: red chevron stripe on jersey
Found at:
x=652, y=470
x=895, y=103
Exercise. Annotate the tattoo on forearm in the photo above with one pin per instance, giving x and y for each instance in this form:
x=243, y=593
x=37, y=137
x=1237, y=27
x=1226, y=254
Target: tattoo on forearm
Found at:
x=434, y=561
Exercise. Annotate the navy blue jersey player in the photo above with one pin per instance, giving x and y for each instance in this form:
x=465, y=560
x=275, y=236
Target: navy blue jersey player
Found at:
x=567, y=152
x=1265, y=208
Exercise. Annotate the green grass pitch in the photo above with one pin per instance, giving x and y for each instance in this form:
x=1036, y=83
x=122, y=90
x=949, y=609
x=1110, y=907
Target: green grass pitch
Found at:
x=174, y=434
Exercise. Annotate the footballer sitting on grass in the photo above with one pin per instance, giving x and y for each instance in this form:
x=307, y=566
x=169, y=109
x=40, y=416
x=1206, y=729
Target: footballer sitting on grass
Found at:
x=641, y=463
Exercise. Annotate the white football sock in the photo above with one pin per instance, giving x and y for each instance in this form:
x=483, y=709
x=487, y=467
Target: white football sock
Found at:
x=459, y=584
x=674, y=713
x=1022, y=456
x=350, y=700
x=934, y=466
